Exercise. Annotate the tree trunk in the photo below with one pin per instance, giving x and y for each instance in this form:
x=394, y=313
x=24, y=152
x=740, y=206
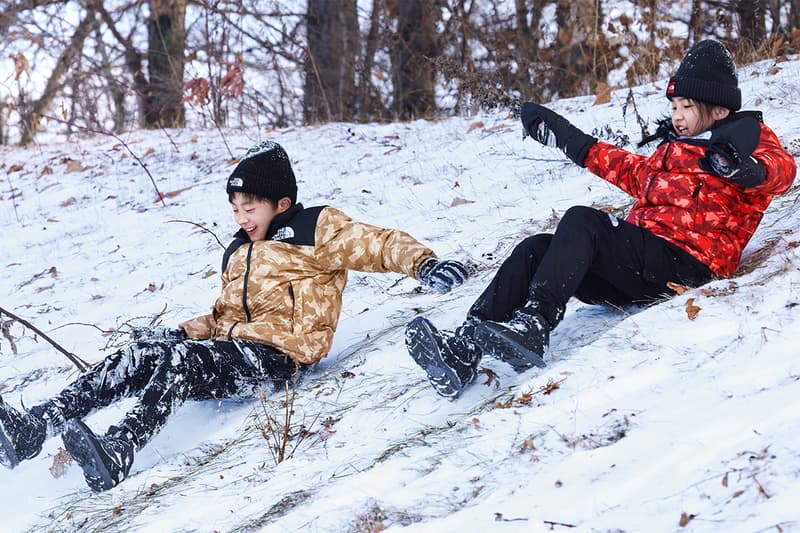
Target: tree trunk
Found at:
x=413, y=60
x=31, y=115
x=696, y=23
x=752, y=27
x=794, y=16
x=367, y=104
x=332, y=33
x=166, y=41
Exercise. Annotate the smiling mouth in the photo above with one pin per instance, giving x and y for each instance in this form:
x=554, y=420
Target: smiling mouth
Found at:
x=250, y=229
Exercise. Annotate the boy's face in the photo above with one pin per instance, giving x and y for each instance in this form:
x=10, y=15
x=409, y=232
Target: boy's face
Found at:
x=688, y=118
x=255, y=216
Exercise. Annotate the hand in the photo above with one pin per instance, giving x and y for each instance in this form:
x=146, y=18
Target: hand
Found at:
x=730, y=149
x=441, y=276
x=551, y=129
x=161, y=333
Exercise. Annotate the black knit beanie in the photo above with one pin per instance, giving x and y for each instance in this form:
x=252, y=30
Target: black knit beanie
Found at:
x=265, y=172
x=707, y=74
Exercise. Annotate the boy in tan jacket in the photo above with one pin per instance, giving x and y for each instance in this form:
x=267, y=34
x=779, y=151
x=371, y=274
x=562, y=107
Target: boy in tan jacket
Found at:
x=282, y=282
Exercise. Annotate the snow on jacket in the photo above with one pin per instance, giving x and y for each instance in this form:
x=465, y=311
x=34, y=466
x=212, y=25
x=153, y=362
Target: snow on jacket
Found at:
x=286, y=291
x=710, y=217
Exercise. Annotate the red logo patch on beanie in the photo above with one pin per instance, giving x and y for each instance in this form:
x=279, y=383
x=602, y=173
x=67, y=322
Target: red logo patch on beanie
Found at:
x=671, y=88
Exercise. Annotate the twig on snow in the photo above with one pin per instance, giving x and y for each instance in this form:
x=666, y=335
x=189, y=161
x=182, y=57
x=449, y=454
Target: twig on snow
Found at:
x=82, y=365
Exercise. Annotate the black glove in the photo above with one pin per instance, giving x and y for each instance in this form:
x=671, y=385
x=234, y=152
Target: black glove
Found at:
x=730, y=149
x=441, y=276
x=160, y=333
x=551, y=129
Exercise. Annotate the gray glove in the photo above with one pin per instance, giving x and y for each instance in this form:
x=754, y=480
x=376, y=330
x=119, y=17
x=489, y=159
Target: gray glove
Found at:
x=442, y=276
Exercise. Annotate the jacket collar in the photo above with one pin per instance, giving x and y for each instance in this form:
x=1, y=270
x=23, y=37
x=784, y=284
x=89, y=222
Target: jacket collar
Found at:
x=280, y=221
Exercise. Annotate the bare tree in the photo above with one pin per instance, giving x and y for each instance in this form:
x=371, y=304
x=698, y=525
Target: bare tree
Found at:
x=752, y=26
x=166, y=32
x=36, y=109
x=414, y=58
x=332, y=30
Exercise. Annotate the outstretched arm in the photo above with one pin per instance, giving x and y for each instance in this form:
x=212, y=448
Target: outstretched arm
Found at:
x=347, y=244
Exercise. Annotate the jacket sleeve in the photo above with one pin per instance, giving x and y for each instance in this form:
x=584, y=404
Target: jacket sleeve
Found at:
x=619, y=167
x=343, y=243
x=780, y=166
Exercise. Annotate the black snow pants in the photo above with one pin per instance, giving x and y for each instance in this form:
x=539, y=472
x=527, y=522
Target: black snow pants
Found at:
x=593, y=256
x=163, y=374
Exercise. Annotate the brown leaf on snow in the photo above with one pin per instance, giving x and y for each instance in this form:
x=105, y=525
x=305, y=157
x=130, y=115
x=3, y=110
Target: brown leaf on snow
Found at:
x=725, y=480
x=53, y=272
x=68, y=202
x=691, y=309
x=474, y=126
x=491, y=377
x=208, y=273
x=61, y=461
x=603, y=94
x=678, y=288
x=73, y=165
x=45, y=171
x=460, y=201
x=685, y=519
x=149, y=151
x=14, y=168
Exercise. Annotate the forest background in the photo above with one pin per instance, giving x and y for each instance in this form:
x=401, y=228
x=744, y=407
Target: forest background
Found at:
x=108, y=66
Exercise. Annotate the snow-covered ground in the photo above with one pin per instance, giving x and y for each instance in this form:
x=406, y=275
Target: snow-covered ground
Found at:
x=644, y=420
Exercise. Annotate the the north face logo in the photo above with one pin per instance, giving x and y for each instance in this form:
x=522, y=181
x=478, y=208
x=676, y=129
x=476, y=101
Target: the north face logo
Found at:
x=671, y=88
x=283, y=234
x=235, y=182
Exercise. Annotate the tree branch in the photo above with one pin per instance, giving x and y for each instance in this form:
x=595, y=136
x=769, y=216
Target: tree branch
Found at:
x=82, y=365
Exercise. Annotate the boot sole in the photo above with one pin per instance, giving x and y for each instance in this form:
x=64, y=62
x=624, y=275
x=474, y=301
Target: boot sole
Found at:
x=82, y=445
x=493, y=337
x=424, y=350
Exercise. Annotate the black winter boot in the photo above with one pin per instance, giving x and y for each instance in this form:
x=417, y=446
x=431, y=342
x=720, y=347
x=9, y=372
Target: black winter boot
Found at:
x=451, y=362
x=521, y=342
x=105, y=461
x=21, y=435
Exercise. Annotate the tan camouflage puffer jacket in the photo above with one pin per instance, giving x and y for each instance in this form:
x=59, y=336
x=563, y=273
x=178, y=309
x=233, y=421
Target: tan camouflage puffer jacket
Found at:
x=286, y=291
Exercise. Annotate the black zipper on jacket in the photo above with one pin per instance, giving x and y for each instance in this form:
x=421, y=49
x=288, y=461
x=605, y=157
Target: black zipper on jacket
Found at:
x=246, y=279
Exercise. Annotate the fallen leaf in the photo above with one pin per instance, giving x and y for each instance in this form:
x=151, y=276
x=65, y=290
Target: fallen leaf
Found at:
x=68, y=202
x=685, y=519
x=476, y=422
x=149, y=151
x=491, y=377
x=678, y=288
x=475, y=126
x=460, y=201
x=14, y=168
x=61, y=461
x=74, y=165
x=691, y=309
x=603, y=94
x=45, y=171
x=53, y=272
x=210, y=272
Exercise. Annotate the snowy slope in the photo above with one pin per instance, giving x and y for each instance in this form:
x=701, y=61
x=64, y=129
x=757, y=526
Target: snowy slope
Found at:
x=644, y=420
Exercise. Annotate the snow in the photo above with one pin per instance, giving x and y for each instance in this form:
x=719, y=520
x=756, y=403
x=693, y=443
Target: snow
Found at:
x=644, y=420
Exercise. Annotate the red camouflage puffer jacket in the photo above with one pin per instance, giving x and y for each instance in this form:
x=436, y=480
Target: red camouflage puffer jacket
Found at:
x=710, y=217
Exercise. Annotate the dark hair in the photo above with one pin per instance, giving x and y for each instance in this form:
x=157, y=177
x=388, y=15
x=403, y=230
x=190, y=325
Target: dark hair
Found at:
x=664, y=129
x=250, y=197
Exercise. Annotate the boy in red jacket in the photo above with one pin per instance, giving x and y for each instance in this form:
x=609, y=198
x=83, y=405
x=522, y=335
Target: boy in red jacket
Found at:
x=699, y=198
